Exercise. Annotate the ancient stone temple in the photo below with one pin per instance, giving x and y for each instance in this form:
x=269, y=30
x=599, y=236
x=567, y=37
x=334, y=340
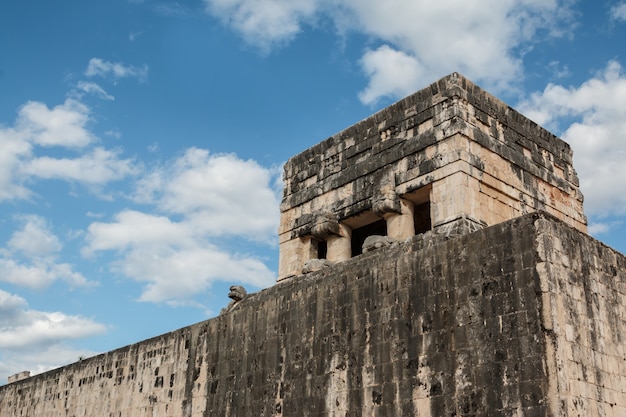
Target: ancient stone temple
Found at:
x=434, y=261
x=449, y=159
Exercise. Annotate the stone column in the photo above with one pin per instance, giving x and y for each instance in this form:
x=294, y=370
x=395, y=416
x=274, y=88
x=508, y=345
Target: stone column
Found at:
x=401, y=226
x=339, y=247
x=337, y=236
x=397, y=212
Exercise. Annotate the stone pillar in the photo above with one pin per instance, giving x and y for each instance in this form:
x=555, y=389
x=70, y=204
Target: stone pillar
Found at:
x=293, y=254
x=337, y=236
x=397, y=212
x=339, y=247
x=401, y=226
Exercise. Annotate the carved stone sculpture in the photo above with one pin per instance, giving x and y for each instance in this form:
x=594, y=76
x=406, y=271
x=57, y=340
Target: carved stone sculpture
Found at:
x=325, y=225
x=386, y=200
x=376, y=242
x=315, y=265
x=237, y=293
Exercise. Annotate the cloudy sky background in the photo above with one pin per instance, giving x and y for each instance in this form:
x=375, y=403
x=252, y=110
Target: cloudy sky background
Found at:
x=141, y=140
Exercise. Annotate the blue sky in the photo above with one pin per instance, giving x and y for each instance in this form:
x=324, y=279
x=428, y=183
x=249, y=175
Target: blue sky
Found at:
x=141, y=140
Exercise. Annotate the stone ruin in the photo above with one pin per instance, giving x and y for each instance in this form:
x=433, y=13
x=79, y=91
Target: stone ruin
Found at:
x=449, y=159
x=434, y=262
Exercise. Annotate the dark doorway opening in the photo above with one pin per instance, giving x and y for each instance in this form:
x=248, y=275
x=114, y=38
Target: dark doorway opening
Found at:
x=322, y=249
x=421, y=218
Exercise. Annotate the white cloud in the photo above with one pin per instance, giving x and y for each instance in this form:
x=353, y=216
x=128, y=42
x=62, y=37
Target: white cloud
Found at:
x=64, y=125
x=221, y=193
x=35, y=239
x=391, y=73
x=40, y=328
x=174, y=259
x=264, y=23
x=598, y=228
x=116, y=70
x=177, y=273
x=93, y=88
x=39, y=273
x=480, y=38
x=11, y=306
x=30, y=257
x=133, y=229
x=15, y=148
x=99, y=166
x=211, y=197
x=618, y=12
x=596, y=114
x=36, y=340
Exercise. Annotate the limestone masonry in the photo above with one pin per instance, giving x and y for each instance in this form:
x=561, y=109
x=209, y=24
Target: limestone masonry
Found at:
x=448, y=153
x=434, y=261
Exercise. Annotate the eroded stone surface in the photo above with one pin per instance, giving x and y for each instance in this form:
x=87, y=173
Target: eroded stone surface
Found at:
x=494, y=308
x=376, y=242
x=315, y=265
x=524, y=318
x=452, y=145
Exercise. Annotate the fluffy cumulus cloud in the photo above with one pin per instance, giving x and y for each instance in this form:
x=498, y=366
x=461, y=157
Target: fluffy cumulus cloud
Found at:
x=36, y=340
x=97, y=167
x=58, y=142
x=63, y=125
x=30, y=257
x=391, y=73
x=221, y=193
x=426, y=39
x=200, y=200
x=595, y=115
x=98, y=67
x=39, y=130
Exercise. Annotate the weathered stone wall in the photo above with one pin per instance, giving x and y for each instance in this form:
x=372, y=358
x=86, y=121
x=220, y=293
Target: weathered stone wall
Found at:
x=583, y=284
x=524, y=318
x=145, y=379
x=451, y=144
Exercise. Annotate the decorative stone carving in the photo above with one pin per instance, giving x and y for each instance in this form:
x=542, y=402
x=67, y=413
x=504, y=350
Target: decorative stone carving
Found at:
x=386, y=200
x=325, y=225
x=313, y=265
x=237, y=293
x=376, y=242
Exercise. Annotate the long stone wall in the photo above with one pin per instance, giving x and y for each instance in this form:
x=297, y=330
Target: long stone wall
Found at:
x=524, y=318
